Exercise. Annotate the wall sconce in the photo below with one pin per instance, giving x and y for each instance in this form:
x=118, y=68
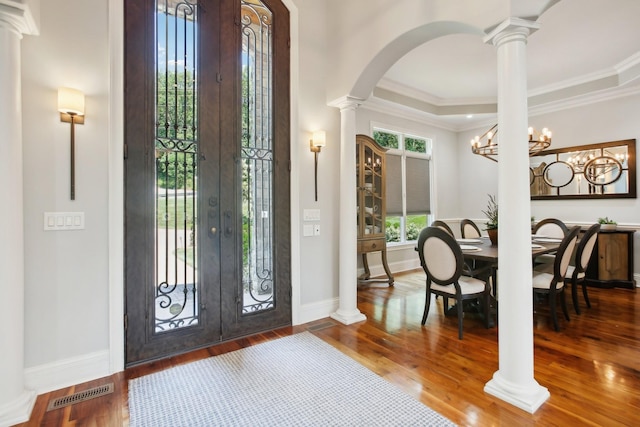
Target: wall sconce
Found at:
x=318, y=140
x=71, y=108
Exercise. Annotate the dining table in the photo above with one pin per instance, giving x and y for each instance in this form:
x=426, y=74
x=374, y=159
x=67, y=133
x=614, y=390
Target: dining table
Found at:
x=481, y=249
x=481, y=252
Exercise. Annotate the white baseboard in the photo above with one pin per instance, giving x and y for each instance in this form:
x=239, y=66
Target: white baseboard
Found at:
x=396, y=267
x=318, y=310
x=68, y=372
x=18, y=411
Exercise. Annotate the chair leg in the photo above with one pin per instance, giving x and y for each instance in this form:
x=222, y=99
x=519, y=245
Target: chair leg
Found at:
x=586, y=296
x=427, y=305
x=494, y=281
x=460, y=318
x=552, y=309
x=563, y=301
x=574, y=295
x=445, y=305
x=487, y=310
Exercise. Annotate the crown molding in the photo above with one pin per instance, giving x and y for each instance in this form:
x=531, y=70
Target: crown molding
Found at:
x=393, y=86
x=584, y=100
x=628, y=63
x=403, y=111
x=386, y=106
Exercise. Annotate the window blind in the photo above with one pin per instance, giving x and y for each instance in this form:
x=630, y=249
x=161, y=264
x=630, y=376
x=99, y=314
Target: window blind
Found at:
x=394, y=185
x=417, y=175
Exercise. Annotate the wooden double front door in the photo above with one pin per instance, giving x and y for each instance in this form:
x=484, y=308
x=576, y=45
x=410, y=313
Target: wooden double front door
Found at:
x=207, y=218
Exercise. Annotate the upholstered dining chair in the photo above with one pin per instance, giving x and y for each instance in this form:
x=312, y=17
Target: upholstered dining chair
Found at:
x=443, y=225
x=443, y=262
x=551, y=227
x=469, y=229
x=576, y=273
x=552, y=283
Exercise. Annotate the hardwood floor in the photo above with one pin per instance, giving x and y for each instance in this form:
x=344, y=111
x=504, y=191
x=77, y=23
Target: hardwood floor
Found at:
x=591, y=367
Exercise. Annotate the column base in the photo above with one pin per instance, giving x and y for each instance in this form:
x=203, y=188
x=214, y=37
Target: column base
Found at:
x=18, y=411
x=526, y=398
x=348, y=317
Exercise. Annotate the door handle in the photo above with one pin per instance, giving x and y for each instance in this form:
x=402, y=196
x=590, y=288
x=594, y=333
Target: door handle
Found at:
x=213, y=230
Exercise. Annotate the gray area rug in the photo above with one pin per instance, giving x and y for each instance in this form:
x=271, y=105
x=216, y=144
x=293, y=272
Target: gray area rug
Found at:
x=296, y=380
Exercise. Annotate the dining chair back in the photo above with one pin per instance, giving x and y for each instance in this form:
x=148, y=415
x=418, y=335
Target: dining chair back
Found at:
x=552, y=282
x=577, y=273
x=469, y=229
x=443, y=262
x=443, y=225
x=551, y=227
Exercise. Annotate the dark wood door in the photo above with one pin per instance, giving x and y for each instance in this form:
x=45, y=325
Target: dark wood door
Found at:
x=207, y=244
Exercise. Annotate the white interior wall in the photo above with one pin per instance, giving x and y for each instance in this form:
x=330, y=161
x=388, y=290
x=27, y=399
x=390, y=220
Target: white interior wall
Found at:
x=66, y=272
x=319, y=254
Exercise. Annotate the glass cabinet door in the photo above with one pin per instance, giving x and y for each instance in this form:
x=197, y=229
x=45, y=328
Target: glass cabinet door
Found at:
x=372, y=188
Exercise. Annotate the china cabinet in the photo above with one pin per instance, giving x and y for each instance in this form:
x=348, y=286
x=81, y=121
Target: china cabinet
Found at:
x=370, y=181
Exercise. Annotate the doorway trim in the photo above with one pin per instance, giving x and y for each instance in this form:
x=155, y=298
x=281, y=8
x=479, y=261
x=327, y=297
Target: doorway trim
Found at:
x=116, y=179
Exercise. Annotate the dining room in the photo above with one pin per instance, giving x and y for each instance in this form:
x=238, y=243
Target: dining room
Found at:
x=463, y=189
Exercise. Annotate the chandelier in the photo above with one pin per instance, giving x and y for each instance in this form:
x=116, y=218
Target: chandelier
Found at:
x=487, y=145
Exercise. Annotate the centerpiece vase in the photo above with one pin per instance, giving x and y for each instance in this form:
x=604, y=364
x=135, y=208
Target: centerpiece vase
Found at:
x=493, y=235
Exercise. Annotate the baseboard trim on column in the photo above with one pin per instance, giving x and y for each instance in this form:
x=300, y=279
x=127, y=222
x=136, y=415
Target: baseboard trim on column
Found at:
x=525, y=398
x=18, y=411
x=348, y=317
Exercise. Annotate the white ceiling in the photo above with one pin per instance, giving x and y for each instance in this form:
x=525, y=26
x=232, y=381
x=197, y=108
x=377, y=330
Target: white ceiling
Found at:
x=579, y=43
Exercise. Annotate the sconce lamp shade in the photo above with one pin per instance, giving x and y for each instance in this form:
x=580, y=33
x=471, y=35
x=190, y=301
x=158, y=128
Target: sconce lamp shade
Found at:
x=70, y=101
x=319, y=138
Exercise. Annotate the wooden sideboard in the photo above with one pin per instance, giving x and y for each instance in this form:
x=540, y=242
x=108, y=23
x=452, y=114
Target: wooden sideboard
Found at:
x=611, y=262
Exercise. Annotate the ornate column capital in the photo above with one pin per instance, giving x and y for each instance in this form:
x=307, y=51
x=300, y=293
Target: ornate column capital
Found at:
x=346, y=103
x=511, y=29
x=21, y=16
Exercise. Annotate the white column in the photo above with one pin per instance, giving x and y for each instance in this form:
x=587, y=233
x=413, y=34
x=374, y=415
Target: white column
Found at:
x=348, y=312
x=16, y=402
x=514, y=382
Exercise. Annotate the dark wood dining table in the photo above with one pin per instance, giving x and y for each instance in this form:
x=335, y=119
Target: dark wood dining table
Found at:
x=489, y=253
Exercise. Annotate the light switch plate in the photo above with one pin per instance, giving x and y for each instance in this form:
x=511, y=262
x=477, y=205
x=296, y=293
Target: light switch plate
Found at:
x=62, y=221
x=311, y=215
x=307, y=230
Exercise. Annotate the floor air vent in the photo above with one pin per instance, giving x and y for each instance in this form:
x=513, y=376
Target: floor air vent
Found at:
x=80, y=396
x=322, y=326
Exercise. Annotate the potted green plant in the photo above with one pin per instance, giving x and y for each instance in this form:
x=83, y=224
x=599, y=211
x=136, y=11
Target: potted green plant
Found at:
x=607, y=224
x=492, y=219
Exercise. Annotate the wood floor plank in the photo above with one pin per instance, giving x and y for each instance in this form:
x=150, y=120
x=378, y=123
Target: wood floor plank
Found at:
x=591, y=367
